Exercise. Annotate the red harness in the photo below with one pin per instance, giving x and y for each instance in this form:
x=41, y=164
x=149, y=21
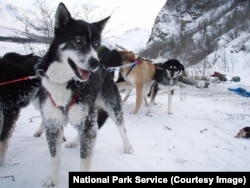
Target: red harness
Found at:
x=71, y=103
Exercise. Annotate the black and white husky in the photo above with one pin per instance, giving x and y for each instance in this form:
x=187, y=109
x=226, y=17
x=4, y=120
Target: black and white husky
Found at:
x=79, y=90
x=166, y=74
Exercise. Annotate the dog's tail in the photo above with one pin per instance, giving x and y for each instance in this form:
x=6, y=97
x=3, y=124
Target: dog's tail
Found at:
x=153, y=89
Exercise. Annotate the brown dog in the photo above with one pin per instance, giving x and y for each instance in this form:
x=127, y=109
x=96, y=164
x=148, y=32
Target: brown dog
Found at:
x=139, y=74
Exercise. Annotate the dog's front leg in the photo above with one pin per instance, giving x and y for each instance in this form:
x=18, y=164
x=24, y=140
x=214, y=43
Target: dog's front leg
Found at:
x=54, y=134
x=170, y=98
x=87, y=136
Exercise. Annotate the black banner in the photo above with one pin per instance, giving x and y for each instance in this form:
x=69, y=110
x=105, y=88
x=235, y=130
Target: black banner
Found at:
x=166, y=179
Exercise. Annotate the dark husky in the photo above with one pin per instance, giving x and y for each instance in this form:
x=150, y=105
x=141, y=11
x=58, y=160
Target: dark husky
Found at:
x=243, y=133
x=79, y=90
x=166, y=74
x=18, y=88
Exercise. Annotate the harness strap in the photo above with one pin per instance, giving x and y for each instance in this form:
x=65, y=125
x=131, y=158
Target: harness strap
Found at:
x=18, y=80
x=132, y=66
x=73, y=100
x=67, y=107
x=138, y=61
x=110, y=69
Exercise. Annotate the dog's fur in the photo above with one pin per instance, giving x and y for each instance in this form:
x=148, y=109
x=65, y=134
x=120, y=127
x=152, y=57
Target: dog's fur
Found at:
x=243, y=133
x=140, y=76
x=146, y=75
x=16, y=95
x=167, y=74
x=80, y=91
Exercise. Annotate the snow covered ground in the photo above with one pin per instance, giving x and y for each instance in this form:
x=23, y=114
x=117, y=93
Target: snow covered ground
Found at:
x=199, y=136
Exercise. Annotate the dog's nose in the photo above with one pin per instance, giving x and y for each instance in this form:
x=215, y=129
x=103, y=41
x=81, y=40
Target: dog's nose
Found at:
x=93, y=63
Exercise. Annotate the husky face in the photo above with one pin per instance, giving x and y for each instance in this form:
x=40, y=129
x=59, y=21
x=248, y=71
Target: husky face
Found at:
x=73, y=50
x=172, y=69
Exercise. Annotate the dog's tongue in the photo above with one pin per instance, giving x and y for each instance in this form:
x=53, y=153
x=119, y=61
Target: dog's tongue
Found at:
x=84, y=74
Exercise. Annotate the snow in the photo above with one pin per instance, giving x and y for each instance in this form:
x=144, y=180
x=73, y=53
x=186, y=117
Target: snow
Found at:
x=137, y=38
x=198, y=136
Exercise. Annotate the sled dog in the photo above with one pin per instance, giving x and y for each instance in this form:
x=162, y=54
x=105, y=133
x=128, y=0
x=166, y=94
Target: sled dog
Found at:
x=166, y=75
x=138, y=73
x=79, y=90
x=19, y=86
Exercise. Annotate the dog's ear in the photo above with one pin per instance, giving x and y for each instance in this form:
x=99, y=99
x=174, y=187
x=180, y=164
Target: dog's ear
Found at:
x=62, y=17
x=101, y=24
x=181, y=66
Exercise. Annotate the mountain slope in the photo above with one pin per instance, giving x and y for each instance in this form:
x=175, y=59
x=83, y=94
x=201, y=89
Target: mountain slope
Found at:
x=192, y=30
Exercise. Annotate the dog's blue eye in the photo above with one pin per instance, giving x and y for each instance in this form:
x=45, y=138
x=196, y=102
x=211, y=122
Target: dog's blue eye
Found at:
x=79, y=42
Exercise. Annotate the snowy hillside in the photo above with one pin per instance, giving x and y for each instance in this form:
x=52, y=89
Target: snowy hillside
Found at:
x=134, y=39
x=195, y=31
x=206, y=36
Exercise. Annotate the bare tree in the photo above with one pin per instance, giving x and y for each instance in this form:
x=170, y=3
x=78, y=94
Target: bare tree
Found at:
x=85, y=11
x=38, y=24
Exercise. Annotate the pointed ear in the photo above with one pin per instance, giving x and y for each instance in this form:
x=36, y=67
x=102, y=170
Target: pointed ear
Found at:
x=62, y=17
x=101, y=24
x=181, y=66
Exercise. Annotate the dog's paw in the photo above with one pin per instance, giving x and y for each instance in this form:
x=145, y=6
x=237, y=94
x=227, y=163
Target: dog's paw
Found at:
x=149, y=115
x=71, y=145
x=128, y=149
x=170, y=113
x=37, y=134
x=134, y=112
x=50, y=182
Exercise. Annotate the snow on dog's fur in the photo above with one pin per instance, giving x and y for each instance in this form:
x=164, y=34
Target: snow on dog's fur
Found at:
x=79, y=90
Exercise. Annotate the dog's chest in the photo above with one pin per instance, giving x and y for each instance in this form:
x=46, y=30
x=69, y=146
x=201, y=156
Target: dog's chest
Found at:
x=60, y=95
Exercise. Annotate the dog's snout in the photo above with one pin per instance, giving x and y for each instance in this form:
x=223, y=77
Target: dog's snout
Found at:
x=172, y=74
x=93, y=63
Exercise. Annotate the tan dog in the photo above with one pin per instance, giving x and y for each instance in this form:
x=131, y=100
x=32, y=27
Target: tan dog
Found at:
x=139, y=74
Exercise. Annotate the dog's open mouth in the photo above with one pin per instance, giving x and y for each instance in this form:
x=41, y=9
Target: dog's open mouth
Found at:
x=84, y=74
x=81, y=74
